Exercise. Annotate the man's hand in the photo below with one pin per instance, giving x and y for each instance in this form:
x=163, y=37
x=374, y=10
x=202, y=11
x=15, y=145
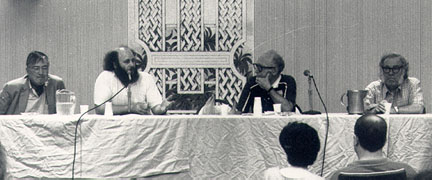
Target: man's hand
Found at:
x=140, y=108
x=264, y=82
x=166, y=103
x=380, y=108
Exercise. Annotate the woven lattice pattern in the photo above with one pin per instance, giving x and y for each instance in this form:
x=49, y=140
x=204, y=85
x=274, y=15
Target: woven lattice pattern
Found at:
x=230, y=86
x=190, y=79
x=190, y=25
x=150, y=23
x=230, y=23
x=158, y=75
x=171, y=40
x=188, y=34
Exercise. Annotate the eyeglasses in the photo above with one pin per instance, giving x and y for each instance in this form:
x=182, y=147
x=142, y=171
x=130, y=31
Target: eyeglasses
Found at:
x=37, y=68
x=260, y=67
x=394, y=69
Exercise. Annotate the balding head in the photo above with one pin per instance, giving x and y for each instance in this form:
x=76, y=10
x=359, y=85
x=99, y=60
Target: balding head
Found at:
x=371, y=131
x=122, y=62
x=272, y=59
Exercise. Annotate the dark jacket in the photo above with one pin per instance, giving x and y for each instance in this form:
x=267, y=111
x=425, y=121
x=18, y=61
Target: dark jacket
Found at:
x=15, y=94
x=286, y=87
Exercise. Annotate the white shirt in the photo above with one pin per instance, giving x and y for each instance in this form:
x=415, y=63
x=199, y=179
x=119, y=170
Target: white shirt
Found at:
x=36, y=103
x=144, y=90
x=290, y=173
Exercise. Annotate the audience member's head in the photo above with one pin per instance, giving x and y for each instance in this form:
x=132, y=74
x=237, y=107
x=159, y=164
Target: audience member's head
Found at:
x=271, y=64
x=122, y=61
x=424, y=175
x=301, y=143
x=371, y=132
x=2, y=163
x=37, y=67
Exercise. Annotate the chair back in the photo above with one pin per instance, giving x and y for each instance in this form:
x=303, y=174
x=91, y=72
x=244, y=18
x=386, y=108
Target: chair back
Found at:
x=398, y=174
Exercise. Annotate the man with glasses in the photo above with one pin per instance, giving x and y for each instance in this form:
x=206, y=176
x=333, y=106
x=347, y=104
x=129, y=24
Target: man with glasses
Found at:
x=269, y=84
x=141, y=95
x=395, y=87
x=33, y=93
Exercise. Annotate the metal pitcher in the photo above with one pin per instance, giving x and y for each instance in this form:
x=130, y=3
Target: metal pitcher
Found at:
x=355, y=101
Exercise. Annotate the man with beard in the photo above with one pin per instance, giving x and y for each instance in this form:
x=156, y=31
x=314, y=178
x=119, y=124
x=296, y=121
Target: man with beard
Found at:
x=33, y=93
x=394, y=87
x=269, y=84
x=141, y=95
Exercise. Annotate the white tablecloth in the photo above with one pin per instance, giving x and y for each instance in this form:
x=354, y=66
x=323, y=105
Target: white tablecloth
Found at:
x=204, y=147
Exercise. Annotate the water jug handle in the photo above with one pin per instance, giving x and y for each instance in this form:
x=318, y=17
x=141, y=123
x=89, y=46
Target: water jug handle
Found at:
x=341, y=99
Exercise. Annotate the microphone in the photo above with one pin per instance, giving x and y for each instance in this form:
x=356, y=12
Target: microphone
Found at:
x=307, y=73
x=310, y=78
x=129, y=93
x=78, y=122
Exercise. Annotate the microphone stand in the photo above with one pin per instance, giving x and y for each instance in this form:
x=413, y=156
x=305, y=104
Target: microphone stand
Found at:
x=311, y=111
x=129, y=95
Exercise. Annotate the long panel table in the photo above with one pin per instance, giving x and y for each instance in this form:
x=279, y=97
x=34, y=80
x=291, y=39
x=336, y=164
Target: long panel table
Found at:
x=191, y=147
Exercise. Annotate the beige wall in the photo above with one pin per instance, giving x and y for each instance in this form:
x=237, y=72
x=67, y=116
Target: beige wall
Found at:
x=75, y=34
x=341, y=41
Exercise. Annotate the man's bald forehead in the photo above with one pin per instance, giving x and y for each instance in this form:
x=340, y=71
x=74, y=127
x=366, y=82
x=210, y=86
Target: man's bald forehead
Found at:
x=124, y=53
x=371, y=120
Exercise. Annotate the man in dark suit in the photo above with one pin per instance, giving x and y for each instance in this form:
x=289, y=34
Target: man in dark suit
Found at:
x=35, y=92
x=269, y=84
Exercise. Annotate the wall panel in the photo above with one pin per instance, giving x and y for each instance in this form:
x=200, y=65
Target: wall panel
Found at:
x=341, y=42
x=74, y=34
x=425, y=51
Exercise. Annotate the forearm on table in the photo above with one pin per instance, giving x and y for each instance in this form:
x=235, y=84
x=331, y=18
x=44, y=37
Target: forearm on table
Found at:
x=159, y=109
x=411, y=109
x=286, y=106
x=117, y=109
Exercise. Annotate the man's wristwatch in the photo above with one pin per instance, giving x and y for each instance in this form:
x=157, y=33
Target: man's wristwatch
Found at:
x=271, y=88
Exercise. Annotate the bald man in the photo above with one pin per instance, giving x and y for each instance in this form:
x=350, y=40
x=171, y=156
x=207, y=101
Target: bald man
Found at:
x=370, y=136
x=269, y=84
x=141, y=95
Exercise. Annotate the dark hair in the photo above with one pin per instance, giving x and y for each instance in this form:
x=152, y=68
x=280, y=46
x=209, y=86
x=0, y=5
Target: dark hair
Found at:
x=301, y=143
x=111, y=59
x=405, y=63
x=276, y=58
x=371, y=131
x=36, y=56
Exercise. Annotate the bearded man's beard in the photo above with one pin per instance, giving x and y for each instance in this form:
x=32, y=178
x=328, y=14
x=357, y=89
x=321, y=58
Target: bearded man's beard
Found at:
x=123, y=76
x=392, y=86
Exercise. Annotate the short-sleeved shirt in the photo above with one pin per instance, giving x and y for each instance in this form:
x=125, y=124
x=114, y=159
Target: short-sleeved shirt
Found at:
x=409, y=92
x=285, y=86
x=144, y=90
x=275, y=173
